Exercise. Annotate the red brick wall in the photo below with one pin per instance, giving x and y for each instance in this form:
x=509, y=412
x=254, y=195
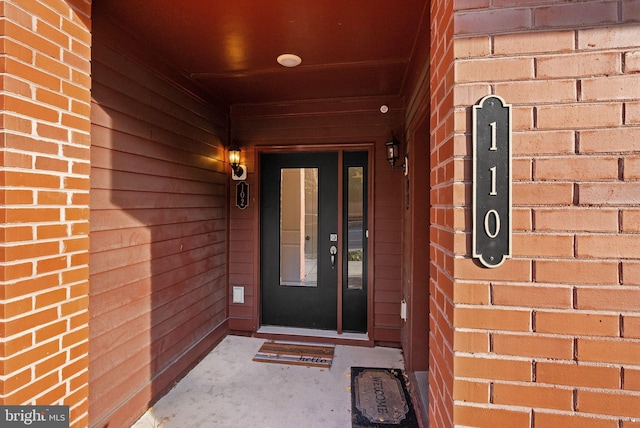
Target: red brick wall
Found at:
x=158, y=268
x=551, y=337
x=444, y=190
x=45, y=204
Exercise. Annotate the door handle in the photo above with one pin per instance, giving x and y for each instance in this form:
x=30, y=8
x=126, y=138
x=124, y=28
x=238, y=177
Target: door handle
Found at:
x=333, y=251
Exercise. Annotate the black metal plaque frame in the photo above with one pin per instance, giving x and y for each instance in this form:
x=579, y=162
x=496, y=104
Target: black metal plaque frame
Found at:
x=492, y=181
x=242, y=195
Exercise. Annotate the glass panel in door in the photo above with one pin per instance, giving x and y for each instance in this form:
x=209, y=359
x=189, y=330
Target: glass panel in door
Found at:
x=355, y=233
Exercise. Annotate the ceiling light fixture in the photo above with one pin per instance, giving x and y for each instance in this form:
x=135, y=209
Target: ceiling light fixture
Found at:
x=289, y=60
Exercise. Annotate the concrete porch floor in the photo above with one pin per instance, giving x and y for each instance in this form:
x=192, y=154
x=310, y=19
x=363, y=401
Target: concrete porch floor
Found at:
x=228, y=389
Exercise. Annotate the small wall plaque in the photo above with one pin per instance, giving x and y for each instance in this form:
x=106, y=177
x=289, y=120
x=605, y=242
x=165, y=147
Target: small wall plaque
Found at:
x=492, y=181
x=242, y=195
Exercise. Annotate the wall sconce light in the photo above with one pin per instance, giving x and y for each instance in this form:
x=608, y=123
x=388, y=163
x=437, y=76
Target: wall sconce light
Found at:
x=393, y=146
x=238, y=171
x=392, y=151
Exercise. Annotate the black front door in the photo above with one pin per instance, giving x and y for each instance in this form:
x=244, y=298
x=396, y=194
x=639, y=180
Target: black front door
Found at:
x=299, y=239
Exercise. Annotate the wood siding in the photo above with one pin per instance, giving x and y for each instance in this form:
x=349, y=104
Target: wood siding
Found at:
x=158, y=232
x=318, y=123
x=417, y=219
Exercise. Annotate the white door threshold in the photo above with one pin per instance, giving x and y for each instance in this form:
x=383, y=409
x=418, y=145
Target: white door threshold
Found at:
x=328, y=334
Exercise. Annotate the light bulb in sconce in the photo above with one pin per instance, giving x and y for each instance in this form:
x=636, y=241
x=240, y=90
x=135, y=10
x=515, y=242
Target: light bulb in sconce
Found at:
x=239, y=172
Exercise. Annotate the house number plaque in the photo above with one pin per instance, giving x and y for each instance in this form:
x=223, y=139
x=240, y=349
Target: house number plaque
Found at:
x=492, y=181
x=242, y=195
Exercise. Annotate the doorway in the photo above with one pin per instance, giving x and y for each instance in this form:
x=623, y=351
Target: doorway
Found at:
x=313, y=240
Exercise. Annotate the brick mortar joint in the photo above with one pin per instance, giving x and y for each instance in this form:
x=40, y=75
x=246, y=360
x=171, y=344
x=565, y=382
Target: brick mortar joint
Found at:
x=34, y=331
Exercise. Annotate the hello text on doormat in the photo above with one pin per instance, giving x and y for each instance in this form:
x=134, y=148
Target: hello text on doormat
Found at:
x=296, y=354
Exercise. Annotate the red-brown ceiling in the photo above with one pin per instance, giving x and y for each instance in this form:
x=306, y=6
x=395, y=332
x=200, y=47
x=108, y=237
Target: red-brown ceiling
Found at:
x=349, y=48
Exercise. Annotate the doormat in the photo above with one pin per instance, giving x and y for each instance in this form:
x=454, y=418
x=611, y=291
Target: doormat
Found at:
x=379, y=398
x=296, y=354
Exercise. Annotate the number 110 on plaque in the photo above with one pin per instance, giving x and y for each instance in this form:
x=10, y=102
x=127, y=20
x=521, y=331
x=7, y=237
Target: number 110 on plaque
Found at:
x=491, y=181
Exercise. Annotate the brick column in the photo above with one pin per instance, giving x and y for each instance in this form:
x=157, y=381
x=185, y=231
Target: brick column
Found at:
x=45, y=203
x=550, y=338
x=443, y=189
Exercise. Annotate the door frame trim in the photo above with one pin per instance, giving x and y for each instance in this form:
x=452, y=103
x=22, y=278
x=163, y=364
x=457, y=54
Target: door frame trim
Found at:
x=368, y=147
x=418, y=275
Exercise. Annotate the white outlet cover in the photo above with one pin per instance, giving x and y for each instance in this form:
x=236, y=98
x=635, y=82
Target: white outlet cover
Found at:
x=238, y=294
